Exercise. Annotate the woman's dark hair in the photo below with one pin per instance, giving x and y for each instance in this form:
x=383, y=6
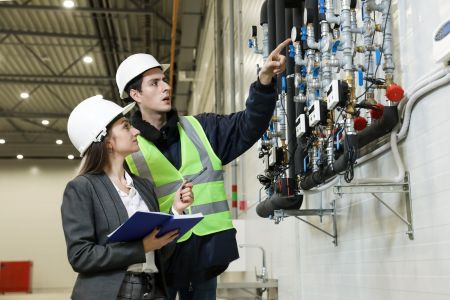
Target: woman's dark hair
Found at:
x=134, y=84
x=96, y=156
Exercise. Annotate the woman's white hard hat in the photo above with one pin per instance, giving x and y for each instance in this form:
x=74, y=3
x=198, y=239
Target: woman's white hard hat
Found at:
x=88, y=121
x=133, y=66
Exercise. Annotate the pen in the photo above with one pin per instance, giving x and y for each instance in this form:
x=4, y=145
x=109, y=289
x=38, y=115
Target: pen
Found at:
x=196, y=175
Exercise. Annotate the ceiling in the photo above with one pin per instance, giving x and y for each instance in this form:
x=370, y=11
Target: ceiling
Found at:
x=43, y=46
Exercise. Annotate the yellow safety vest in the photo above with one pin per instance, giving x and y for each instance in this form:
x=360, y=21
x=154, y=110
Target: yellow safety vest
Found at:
x=199, y=162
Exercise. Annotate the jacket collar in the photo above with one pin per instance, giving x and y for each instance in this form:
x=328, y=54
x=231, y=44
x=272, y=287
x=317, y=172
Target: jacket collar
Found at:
x=164, y=137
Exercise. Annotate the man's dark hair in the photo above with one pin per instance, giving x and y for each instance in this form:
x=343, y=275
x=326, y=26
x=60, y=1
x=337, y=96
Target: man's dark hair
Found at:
x=134, y=84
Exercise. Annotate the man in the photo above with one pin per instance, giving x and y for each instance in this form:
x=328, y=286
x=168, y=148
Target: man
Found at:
x=175, y=149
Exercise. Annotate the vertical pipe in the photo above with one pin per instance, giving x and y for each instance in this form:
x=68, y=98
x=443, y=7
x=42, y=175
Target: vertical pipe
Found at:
x=234, y=199
x=290, y=106
x=173, y=39
x=241, y=102
x=280, y=31
x=218, y=57
x=272, y=24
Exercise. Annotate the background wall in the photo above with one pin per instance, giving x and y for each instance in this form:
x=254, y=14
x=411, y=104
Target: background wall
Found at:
x=374, y=259
x=30, y=218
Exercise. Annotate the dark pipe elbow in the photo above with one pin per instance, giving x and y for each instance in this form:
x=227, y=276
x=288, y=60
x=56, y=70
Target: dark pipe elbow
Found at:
x=267, y=207
x=379, y=128
x=263, y=14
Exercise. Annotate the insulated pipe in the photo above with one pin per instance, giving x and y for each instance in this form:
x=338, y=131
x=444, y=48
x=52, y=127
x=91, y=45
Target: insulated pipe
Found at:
x=378, y=129
x=280, y=32
x=290, y=106
x=272, y=24
x=234, y=200
x=265, y=29
x=266, y=208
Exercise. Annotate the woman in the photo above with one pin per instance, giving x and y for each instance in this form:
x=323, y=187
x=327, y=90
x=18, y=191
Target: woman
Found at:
x=103, y=197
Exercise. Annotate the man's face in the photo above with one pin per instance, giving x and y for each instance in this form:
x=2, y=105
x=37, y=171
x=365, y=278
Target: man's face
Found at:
x=155, y=92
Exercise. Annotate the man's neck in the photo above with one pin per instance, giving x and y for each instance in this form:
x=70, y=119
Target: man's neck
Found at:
x=156, y=119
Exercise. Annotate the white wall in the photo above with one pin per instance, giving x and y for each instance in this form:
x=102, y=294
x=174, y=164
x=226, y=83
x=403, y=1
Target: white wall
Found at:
x=30, y=218
x=374, y=259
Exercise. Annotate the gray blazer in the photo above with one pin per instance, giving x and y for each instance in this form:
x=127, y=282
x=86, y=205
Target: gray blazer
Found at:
x=92, y=209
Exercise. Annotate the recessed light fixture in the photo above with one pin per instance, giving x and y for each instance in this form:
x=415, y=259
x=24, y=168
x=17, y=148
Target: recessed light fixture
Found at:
x=88, y=59
x=24, y=95
x=45, y=122
x=70, y=156
x=99, y=96
x=69, y=4
x=19, y=156
x=2, y=141
x=59, y=142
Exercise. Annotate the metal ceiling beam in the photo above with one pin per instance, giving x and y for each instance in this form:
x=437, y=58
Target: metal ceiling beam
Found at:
x=31, y=115
x=50, y=82
x=67, y=35
x=96, y=10
x=54, y=77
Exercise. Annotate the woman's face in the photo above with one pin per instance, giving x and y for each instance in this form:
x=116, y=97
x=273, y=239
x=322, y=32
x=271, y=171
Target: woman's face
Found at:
x=123, y=138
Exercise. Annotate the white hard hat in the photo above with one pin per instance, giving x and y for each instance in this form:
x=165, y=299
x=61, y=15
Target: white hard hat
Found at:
x=133, y=66
x=87, y=122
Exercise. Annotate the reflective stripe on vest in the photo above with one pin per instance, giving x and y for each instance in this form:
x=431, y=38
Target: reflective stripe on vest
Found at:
x=211, y=196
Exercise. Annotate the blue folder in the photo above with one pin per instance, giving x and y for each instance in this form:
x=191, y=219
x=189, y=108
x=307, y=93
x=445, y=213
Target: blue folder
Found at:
x=142, y=223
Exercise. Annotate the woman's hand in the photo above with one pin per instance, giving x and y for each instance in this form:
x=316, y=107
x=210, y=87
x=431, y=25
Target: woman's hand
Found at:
x=183, y=197
x=152, y=243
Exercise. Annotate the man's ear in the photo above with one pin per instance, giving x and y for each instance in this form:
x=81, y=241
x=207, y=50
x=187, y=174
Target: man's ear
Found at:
x=136, y=95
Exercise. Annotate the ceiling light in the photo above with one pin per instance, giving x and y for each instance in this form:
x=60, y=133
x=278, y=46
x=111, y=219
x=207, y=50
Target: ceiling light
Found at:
x=88, y=59
x=45, y=122
x=19, y=156
x=24, y=95
x=2, y=141
x=70, y=156
x=59, y=142
x=99, y=96
x=68, y=3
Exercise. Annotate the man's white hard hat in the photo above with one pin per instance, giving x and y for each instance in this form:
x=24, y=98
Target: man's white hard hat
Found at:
x=88, y=121
x=133, y=66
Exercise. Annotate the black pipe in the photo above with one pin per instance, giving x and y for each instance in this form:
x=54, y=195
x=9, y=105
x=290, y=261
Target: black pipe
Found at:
x=280, y=33
x=263, y=13
x=272, y=25
x=371, y=133
x=266, y=208
x=290, y=106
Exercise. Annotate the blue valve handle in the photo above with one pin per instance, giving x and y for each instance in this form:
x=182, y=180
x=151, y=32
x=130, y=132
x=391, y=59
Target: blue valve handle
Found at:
x=378, y=56
x=304, y=33
x=250, y=43
x=360, y=77
x=303, y=71
x=301, y=87
x=317, y=93
x=316, y=72
x=335, y=46
x=291, y=51
x=322, y=6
